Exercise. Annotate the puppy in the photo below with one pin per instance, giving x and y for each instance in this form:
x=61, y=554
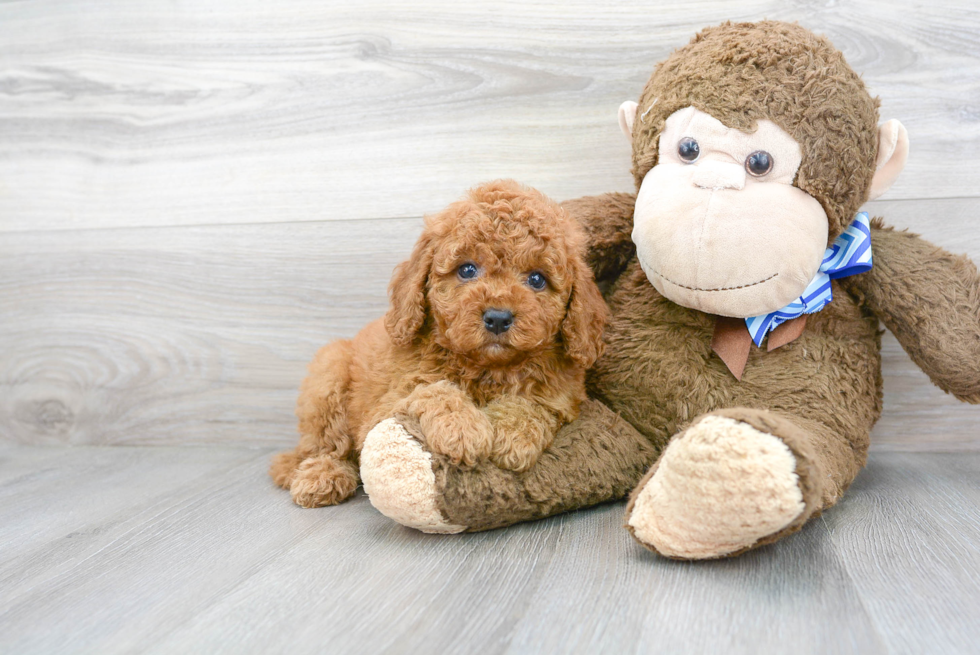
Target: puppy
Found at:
x=493, y=321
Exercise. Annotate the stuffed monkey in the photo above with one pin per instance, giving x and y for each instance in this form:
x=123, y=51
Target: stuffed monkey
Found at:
x=742, y=372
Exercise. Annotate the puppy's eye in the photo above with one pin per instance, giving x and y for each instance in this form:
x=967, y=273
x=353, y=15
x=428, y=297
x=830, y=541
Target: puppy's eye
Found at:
x=688, y=150
x=537, y=281
x=467, y=271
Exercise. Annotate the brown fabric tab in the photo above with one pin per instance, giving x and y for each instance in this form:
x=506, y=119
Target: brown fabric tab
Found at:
x=732, y=341
x=787, y=332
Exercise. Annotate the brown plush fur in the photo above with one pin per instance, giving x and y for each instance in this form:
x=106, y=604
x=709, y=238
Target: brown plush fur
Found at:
x=827, y=380
x=930, y=300
x=821, y=393
x=474, y=393
x=742, y=73
x=607, y=225
x=596, y=458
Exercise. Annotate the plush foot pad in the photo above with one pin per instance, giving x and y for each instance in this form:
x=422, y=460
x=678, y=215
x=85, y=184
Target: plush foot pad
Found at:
x=398, y=478
x=718, y=489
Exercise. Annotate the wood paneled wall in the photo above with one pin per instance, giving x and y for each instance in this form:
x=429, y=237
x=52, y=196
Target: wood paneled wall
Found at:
x=195, y=196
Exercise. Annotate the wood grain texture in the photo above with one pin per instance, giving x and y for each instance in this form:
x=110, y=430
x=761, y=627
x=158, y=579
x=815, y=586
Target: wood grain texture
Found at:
x=140, y=113
x=195, y=196
x=190, y=335
x=58, y=502
x=908, y=533
x=214, y=559
x=201, y=334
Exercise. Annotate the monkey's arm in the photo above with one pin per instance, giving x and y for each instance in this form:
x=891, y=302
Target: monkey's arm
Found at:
x=594, y=459
x=608, y=224
x=930, y=300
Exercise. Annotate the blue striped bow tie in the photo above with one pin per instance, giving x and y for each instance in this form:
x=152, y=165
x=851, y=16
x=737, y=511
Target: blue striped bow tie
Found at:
x=850, y=254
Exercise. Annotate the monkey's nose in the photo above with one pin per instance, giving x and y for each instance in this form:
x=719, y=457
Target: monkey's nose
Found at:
x=498, y=321
x=711, y=174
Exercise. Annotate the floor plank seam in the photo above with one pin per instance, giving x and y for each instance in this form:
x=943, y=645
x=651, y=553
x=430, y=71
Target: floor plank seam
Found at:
x=875, y=625
x=191, y=226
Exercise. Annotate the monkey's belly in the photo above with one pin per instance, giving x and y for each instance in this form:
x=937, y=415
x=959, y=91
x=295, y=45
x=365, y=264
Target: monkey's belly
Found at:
x=659, y=371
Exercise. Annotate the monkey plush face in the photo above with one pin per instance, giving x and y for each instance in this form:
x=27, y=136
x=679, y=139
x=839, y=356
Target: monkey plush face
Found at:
x=718, y=224
x=754, y=146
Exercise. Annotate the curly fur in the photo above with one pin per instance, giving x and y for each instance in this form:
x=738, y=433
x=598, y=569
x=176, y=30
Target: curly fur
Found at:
x=476, y=394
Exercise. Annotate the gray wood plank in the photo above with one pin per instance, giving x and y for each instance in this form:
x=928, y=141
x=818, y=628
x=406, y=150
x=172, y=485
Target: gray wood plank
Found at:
x=380, y=589
x=201, y=334
x=63, y=502
x=142, y=113
x=225, y=563
x=153, y=567
x=195, y=335
x=17, y=461
x=949, y=222
x=571, y=584
x=908, y=533
x=776, y=600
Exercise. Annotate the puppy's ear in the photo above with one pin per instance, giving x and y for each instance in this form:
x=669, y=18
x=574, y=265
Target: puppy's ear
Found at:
x=585, y=317
x=407, y=292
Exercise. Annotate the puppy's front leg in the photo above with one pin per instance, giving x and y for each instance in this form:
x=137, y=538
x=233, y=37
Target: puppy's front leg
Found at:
x=522, y=430
x=451, y=423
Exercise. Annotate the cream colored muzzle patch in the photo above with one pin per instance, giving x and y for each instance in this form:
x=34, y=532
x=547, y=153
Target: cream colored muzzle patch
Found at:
x=712, y=237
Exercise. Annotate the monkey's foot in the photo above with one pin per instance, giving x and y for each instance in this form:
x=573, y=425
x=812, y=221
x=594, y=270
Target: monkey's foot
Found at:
x=399, y=480
x=720, y=487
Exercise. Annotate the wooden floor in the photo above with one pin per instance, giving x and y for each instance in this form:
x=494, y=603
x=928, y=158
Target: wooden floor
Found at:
x=191, y=550
x=195, y=196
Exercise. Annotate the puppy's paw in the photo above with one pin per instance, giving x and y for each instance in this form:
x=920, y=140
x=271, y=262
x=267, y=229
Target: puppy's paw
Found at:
x=461, y=435
x=319, y=481
x=518, y=450
x=452, y=425
x=283, y=468
x=521, y=432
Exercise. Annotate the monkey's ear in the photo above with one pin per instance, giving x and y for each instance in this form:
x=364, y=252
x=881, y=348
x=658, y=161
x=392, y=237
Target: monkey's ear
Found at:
x=407, y=291
x=627, y=114
x=893, y=152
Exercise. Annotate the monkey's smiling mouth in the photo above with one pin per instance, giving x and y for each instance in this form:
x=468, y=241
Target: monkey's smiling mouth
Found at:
x=741, y=286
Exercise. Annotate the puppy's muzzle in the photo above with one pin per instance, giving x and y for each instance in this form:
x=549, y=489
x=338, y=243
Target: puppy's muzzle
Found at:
x=497, y=321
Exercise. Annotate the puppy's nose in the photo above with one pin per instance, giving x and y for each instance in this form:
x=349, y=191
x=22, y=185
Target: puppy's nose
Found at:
x=498, y=321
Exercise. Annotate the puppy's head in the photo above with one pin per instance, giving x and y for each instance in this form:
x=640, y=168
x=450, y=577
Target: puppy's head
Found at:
x=498, y=276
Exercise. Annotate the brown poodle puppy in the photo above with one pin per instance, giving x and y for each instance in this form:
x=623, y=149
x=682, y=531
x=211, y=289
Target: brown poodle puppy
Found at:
x=493, y=321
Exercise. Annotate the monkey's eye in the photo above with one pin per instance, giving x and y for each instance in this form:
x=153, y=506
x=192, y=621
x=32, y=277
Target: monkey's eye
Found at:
x=688, y=150
x=537, y=281
x=758, y=163
x=467, y=271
